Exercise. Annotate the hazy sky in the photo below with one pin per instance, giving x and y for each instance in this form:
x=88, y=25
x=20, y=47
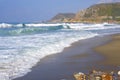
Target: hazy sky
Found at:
x=38, y=10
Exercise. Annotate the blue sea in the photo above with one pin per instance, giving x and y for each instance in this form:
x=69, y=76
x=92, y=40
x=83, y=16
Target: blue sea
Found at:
x=22, y=46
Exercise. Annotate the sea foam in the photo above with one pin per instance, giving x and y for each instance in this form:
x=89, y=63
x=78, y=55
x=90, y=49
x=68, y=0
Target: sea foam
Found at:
x=19, y=53
x=22, y=53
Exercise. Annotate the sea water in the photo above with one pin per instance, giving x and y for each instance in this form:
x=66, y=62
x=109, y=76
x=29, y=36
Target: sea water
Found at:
x=23, y=45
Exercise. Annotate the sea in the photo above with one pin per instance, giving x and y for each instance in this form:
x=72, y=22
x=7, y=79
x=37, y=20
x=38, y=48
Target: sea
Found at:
x=23, y=45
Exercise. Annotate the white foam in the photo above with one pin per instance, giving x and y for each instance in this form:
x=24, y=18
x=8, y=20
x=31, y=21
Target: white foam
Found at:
x=5, y=25
x=18, y=54
x=75, y=26
x=24, y=52
x=40, y=24
x=18, y=25
x=92, y=26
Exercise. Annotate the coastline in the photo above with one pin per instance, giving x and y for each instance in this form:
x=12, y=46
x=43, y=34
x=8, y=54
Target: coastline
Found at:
x=81, y=56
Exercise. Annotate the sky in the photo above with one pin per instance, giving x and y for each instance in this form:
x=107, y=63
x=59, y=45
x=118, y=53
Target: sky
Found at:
x=39, y=10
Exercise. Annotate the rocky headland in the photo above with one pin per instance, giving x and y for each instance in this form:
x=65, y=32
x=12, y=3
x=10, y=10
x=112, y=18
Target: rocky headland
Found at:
x=104, y=12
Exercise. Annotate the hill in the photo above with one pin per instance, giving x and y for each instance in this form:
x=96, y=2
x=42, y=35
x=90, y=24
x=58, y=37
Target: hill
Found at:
x=100, y=13
x=63, y=17
x=96, y=13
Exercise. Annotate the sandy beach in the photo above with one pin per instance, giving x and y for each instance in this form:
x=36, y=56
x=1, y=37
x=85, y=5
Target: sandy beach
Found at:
x=82, y=56
x=111, y=51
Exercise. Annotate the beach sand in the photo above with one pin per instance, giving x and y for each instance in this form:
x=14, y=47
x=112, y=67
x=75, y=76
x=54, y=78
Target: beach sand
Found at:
x=111, y=51
x=79, y=57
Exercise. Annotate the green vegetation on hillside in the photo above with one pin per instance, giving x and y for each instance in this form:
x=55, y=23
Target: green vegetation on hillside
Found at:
x=96, y=13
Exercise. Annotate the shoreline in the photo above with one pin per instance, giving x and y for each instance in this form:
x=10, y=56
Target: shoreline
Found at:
x=80, y=56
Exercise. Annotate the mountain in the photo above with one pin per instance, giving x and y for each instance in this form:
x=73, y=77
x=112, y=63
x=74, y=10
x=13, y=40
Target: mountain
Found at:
x=103, y=12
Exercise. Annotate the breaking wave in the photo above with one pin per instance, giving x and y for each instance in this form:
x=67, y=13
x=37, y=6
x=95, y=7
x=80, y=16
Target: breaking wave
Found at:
x=28, y=30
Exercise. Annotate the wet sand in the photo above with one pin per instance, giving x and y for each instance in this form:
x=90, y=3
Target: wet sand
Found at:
x=81, y=56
